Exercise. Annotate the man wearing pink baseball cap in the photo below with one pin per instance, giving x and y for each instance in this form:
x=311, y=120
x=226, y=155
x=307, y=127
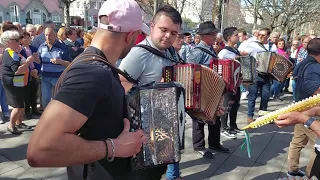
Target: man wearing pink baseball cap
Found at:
x=83, y=127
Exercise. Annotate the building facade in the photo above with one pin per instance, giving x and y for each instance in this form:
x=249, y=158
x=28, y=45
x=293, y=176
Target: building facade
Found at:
x=30, y=11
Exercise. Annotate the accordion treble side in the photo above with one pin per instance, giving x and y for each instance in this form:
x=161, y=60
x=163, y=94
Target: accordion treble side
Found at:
x=159, y=110
x=204, y=88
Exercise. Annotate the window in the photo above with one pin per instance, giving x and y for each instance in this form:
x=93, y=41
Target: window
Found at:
x=29, y=15
x=44, y=17
x=78, y=5
x=55, y=18
x=11, y=8
x=1, y=20
x=35, y=10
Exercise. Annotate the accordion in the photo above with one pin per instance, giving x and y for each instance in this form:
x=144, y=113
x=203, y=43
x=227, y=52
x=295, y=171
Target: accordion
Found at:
x=248, y=68
x=159, y=110
x=274, y=64
x=204, y=88
x=229, y=70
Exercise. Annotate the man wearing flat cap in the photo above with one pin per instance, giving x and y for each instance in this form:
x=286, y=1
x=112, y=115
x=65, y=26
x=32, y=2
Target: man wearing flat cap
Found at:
x=202, y=54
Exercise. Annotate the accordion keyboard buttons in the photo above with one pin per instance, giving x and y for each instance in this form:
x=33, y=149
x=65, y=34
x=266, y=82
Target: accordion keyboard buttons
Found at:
x=133, y=118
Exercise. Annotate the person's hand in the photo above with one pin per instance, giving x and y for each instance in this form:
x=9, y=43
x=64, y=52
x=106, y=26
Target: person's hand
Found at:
x=34, y=73
x=30, y=59
x=315, y=111
x=35, y=55
x=128, y=143
x=56, y=61
x=299, y=59
x=75, y=48
x=291, y=118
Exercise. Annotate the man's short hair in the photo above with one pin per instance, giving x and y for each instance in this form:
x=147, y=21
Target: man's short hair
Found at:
x=244, y=32
x=30, y=26
x=313, y=47
x=228, y=32
x=169, y=11
x=266, y=29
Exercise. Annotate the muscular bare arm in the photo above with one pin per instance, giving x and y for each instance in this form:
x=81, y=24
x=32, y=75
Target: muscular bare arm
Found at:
x=55, y=144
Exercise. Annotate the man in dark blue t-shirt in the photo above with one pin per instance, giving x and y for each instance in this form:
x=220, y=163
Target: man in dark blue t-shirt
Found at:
x=307, y=78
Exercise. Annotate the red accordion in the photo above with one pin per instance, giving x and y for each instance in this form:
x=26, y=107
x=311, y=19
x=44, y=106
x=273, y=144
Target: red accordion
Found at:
x=229, y=70
x=204, y=88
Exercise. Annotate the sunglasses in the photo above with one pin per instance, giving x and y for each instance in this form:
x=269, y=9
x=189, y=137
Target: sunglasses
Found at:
x=263, y=35
x=17, y=40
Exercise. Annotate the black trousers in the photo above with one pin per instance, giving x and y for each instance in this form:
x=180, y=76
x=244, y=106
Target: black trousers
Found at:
x=198, y=134
x=233, y=109
x=315, y=171
x=31, y=95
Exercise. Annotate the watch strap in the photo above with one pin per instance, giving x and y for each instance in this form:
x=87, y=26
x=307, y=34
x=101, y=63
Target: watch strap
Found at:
x=309, y=122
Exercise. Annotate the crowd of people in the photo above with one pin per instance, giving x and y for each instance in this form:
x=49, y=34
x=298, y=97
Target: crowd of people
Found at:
x=84, y=122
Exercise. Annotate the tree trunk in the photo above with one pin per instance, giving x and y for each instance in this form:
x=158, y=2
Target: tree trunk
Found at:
x=255, y=12
x=67, y=14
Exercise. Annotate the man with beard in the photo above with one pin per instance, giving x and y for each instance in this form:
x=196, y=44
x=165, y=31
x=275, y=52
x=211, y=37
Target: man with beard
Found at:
x=85, y=123
x=145, y=66
x=200, y=55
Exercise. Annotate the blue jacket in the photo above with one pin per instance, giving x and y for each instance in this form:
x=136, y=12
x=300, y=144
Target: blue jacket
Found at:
x=33, y=50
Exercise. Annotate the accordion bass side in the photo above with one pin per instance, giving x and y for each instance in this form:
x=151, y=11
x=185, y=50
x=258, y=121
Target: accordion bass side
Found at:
x=159, y=110
x=230, y=70
x=274, y=64
x=204, y=88
x=248, y=68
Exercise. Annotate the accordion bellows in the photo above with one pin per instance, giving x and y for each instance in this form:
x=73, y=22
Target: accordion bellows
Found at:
x=158, y=109
x=296, y=107
x=204, y=88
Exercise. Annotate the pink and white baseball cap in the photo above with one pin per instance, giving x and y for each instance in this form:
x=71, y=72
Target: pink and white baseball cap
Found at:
x=123, y=15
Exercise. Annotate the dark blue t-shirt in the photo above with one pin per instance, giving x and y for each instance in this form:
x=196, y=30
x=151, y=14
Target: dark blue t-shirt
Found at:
x=311, y=78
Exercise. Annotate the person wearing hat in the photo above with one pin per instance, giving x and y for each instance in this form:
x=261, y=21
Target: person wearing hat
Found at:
x=146, y=66
x=187, y=46
x=208, y=32
x=84, y=123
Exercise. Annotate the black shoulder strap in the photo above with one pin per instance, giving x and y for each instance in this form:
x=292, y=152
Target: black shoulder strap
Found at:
x=232, y=50
x=261, y=45
x=207, y=51
x=87, y=57
x=158, y=53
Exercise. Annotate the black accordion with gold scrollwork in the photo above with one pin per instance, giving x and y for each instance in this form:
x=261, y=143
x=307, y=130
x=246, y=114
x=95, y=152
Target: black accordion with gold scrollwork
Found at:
x=159, y=110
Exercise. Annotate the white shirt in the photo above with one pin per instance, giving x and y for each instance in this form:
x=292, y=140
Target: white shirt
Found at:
x=293, y=53
x=243, y=45
x=226, y=54
x=253, y=47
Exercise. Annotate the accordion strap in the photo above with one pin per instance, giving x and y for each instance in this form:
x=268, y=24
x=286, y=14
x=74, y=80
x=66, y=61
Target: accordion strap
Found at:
x=87, y=57
x=231, y=49
x=159, y=53
x=207, y=51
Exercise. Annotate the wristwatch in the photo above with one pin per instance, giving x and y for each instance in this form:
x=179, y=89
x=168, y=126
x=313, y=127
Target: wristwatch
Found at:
x=309, y=122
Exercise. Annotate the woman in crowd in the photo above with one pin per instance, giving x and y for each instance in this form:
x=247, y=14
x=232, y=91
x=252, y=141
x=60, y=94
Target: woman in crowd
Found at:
x=62, y=34
x=32, y=87
x=3, y=103
x=15, y=78
x=80, y=34
x=88, y=38
x=39, y=29
x=71, y=42
x=277, y=86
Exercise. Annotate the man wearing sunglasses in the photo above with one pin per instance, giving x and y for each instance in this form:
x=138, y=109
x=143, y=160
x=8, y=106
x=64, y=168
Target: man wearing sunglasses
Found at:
x=263, y=81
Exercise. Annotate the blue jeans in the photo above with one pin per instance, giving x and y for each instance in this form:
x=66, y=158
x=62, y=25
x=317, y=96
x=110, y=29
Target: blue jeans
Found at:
x=294, y=90
x=47, y=85
x=173, y=171
x=264, y=85
x=275, y=88
x=4, y=105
